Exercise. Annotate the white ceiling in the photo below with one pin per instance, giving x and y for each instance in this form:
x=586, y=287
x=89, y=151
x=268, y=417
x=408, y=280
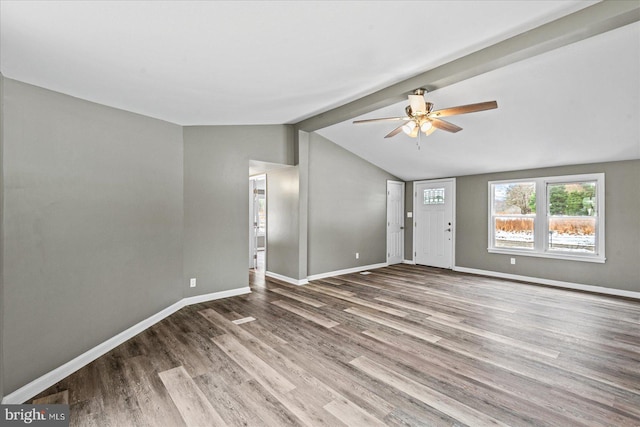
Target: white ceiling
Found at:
x=574, y=105
x=274, y=62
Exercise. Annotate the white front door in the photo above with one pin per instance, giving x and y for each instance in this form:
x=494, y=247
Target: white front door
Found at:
x=433, y=228
x=395, y=222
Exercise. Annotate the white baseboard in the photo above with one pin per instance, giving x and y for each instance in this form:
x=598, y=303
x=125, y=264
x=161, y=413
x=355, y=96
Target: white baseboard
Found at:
x=215, y=295
x=297, y=282
x=347, y=271
x=409, y=261
x=549, y=282
x=42, y=383
x=324, y=275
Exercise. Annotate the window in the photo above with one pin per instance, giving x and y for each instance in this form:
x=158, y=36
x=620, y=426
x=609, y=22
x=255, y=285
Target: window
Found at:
x=514, y=212
x=262, y=213
x=555, y=217
x=434, y=196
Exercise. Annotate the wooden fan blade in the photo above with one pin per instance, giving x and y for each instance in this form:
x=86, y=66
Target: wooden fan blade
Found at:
x=464, y=109
x=394, y=132
x=441, y=124
x=384, y=119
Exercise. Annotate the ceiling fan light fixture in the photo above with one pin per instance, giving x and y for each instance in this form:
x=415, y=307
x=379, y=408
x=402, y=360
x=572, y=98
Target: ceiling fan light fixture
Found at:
x=409, y=127
x=425, y=126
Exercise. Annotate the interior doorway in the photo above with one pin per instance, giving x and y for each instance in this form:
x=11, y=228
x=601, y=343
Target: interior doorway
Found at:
x=258, y=222
x=258, y=219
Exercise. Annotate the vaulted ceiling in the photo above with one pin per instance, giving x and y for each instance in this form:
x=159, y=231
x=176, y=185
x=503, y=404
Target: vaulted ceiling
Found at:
x=316, y=64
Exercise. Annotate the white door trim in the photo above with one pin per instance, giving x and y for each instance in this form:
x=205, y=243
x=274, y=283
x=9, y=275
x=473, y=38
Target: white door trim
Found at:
x=253, y=244
x=252, y=249
x=402, y=184
x=453, y=231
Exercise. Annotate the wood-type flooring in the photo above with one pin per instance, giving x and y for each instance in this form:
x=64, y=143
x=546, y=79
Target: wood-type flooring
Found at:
x=403, y=346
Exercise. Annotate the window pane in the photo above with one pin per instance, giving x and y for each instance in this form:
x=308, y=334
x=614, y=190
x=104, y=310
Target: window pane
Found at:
x=577, y=234
x=514, y=232
x=434, y=196
x=572, y=211
x=514, y=208
x=572, y=199
x=262, y=215
x=514, y=198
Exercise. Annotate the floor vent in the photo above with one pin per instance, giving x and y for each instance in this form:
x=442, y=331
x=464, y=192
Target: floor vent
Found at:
x=243, y=320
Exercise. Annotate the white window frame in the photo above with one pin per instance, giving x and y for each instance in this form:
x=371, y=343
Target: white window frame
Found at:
x=541, y=219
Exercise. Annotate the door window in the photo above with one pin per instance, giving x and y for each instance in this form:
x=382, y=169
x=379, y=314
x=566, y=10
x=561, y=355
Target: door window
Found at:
x=433, y=196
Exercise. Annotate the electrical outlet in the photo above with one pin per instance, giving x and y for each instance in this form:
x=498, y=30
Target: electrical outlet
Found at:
x=357, y=255
x=513, y=261
x=192, y=282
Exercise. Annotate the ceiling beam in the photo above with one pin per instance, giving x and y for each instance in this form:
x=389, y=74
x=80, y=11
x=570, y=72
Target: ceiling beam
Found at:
x=580, y=25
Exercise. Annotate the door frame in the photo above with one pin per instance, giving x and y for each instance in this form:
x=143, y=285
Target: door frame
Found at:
x=252, y=236
x=402, y=183
x=453, y=207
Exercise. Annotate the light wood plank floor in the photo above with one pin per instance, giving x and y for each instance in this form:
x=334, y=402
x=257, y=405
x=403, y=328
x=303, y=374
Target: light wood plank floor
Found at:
x=404, y=345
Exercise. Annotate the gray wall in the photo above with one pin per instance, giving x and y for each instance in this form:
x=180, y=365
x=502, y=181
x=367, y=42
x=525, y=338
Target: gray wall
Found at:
x=408, y=222
x=216, y=206
x=302, y=146
x=283, y=221
x=347, y=209
x=2, y=323
x=92, y=222
x=622, y=215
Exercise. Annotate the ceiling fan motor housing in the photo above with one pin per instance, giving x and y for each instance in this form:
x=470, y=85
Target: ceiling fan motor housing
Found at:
x=412, y=114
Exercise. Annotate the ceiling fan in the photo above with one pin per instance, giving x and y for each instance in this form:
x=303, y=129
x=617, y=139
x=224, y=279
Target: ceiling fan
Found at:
x=421, y=117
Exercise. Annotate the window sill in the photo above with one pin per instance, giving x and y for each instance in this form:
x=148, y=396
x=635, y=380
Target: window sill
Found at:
x=561, y=256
